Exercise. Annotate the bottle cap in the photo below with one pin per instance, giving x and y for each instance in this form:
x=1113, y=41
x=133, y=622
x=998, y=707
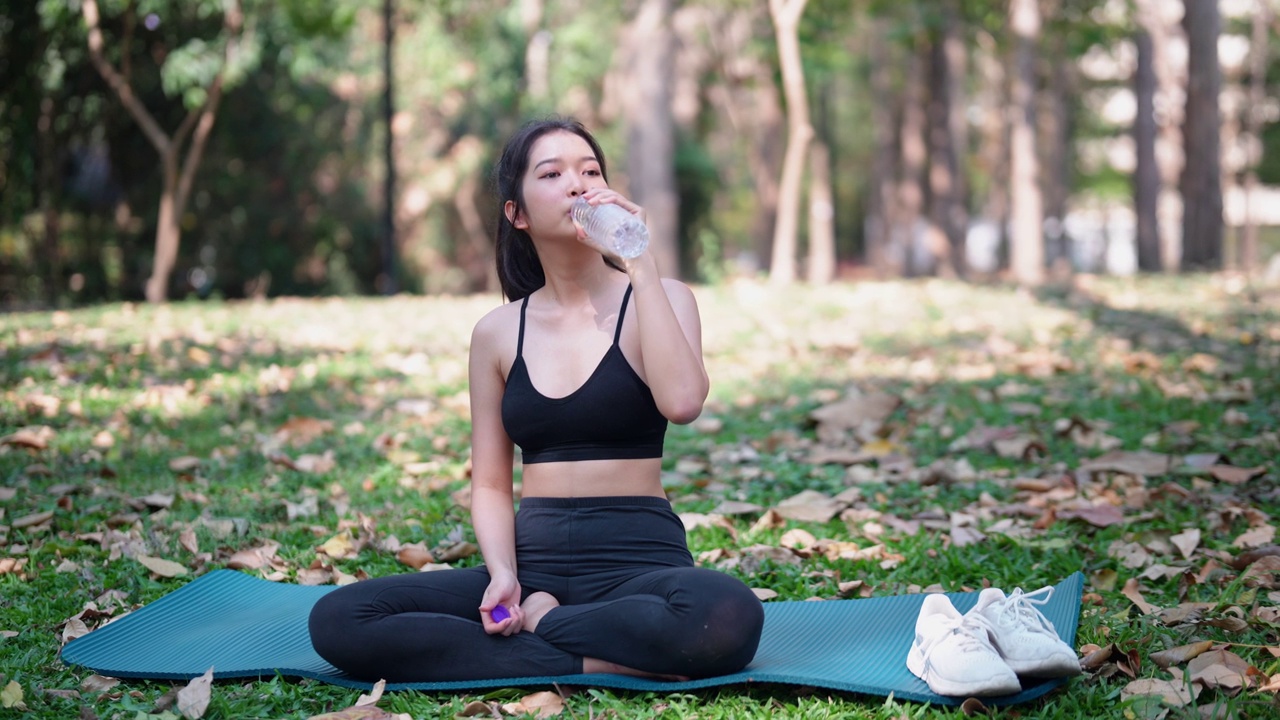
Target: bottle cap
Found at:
x=499, y=613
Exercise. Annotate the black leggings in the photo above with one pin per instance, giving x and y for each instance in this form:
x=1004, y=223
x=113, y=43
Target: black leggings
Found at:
x=628, y=593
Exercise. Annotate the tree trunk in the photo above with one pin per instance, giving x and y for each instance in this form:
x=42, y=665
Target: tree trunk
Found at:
x=1250, y=260
x=476, y=255
x=388, y=279
x=913, y=145
x=178, y=173
x=993, y=153
x=651, y=132
x=537, y=50
x=49, y=182
x=1156, y=18
x=764, y=159
x=1201, y=183
x=882, y=208
x=821, y=266
x=946, y=209
x=786, y=22
x=1027, y=246
x=1055, y=134
x=1146, y=175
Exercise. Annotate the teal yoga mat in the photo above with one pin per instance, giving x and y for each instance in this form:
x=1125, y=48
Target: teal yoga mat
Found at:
x=243, y=626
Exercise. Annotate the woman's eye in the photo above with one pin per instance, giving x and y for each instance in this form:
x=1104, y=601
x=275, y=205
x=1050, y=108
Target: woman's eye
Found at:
x=552, y=174
x=593, y=172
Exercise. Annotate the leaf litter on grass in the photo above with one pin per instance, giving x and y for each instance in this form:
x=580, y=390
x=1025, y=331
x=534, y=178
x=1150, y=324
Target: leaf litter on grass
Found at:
x=853, y=429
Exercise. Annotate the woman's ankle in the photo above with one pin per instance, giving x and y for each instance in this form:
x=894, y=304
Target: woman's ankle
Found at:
x=535, y=607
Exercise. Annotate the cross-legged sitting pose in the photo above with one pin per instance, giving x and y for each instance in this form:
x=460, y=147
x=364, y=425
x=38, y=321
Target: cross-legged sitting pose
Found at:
x=582, y=370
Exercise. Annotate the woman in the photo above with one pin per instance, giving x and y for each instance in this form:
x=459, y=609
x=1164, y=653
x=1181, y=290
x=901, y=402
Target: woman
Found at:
x=583, y=369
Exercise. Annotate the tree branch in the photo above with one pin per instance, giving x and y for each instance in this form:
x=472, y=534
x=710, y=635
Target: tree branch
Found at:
x=233, y=21
x=118, y=83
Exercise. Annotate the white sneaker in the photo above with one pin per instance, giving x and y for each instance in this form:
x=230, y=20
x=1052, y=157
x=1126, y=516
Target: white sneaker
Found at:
x=954, y=655
x=1023, y=635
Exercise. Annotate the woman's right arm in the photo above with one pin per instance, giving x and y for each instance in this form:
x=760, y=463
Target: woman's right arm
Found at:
x=492, y=506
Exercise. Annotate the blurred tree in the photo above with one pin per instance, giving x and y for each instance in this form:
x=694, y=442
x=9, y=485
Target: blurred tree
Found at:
x=1146, y=174
x=651, y=129
x=948, y=217
x=1259, y=55
x=198, y=71
x=786, y=22
x=1027, y=242
x=1201, y=183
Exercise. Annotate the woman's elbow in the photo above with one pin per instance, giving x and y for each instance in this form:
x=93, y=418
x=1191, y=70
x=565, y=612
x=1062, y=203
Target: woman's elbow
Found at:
x=683, y=410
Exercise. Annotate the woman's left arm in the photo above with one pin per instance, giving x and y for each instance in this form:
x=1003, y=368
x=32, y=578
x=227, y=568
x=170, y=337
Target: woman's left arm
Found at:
x=670, y=341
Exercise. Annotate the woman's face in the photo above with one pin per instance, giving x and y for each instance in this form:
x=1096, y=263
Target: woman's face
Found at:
x=562, y=166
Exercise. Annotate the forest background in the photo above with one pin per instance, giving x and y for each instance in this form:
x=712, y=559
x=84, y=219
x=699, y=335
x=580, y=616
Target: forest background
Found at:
x=236, y=148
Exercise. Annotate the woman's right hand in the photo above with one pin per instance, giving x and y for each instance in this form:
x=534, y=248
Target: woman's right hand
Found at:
x=503, y=590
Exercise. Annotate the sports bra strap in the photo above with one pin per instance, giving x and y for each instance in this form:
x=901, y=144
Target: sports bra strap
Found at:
x=617, y=333
x=520, y=338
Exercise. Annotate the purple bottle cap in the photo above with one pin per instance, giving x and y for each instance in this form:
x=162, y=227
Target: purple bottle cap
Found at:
x=499, y=613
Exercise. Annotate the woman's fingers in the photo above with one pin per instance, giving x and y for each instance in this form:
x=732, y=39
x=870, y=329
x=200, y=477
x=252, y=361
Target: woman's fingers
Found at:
x=596, y=196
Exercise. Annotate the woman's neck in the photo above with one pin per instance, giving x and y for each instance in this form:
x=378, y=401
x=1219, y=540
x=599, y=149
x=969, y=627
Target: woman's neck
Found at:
x=576, y=278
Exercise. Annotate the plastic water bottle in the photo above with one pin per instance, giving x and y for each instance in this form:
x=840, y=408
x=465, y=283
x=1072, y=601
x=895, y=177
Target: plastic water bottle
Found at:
x=613, y=229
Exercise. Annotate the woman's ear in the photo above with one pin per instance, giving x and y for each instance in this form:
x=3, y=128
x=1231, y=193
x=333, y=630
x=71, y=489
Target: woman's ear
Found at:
x=514, y=216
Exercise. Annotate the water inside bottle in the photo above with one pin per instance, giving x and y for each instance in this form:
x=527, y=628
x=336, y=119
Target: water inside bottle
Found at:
x=613, y=228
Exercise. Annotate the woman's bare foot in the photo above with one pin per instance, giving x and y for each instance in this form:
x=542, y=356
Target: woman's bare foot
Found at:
x=595, y=665
x=535, y=606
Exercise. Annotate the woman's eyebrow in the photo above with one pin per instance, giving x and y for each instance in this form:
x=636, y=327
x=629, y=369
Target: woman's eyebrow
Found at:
x=584, y=158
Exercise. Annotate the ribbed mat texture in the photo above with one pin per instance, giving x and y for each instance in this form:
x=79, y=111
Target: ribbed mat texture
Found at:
x=243, y=626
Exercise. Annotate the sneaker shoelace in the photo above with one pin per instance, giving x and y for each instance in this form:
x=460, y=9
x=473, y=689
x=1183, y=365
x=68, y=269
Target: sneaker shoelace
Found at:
x=974, y=632
x=1020, y=608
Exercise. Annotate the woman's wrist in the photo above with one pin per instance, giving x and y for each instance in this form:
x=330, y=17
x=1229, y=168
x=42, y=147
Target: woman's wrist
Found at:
x=642, y=269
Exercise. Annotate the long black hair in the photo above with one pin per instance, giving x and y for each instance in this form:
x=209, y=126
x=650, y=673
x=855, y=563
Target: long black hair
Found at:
x=519, y=269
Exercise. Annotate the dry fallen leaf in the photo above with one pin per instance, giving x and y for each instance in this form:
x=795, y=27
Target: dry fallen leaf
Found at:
x=1101, y=515
x=186, y=463
x=1132, y=463
x=542, y=704
x=1134, y=593
x=193, y=699
x=98, y=683
x=298, y=431
x=32, y=520
x=1236, y=475
x=415, y=555
x=11, y=696
x=1186, y=542
x=477, y=708
x=810, y=506
x=1255, y=537
x=254, y=558
x=1171, y=692
x=32, y=438
x=1180, y=654
x=374, y=695
x=162, y=567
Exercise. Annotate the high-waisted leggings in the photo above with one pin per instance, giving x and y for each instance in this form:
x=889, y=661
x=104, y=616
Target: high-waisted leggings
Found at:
x=621, y=570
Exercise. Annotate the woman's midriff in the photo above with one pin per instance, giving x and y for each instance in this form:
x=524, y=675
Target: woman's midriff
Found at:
x=593, y=478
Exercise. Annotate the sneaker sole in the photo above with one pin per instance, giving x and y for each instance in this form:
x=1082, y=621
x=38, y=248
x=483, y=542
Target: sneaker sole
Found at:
x=990, y=687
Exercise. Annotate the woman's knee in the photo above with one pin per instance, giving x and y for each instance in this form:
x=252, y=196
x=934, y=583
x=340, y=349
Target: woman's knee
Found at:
x=728, y=631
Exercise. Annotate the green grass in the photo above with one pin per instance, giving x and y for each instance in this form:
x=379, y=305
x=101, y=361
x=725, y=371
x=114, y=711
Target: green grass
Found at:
x=215, y=382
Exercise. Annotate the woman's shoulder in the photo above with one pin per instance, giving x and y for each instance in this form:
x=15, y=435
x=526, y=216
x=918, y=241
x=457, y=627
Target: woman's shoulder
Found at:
x=497, y=325
x=678, y=292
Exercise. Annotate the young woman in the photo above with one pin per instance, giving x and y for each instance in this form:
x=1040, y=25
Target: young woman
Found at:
x=583, y=369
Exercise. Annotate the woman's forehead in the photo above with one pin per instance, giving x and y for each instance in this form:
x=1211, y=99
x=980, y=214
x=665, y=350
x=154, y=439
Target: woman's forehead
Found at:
x=559, y=146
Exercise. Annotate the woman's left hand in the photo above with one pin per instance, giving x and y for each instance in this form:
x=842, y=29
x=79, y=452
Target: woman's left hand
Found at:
x=602, y=196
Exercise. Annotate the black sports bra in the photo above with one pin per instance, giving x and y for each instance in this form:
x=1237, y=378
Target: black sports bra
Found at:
x=611, y=417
